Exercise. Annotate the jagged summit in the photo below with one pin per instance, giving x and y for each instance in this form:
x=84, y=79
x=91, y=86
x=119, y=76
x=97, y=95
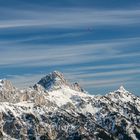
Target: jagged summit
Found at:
x=56, y=80
x=122, y=89
x=121, y=95
x=53, y=80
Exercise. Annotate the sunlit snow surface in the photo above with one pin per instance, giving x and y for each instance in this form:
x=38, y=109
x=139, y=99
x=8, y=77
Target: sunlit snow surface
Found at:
x=111, y=108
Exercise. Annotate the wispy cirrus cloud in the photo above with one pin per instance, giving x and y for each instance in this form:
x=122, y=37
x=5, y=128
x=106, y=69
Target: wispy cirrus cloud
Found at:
x=70, y=18
x=67, y=54
x=70, y=39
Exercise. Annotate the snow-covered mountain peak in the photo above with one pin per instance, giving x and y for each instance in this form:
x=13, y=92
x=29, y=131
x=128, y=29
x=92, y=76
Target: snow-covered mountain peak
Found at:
x=122, y=96
x=122, y=89
x=54, y=80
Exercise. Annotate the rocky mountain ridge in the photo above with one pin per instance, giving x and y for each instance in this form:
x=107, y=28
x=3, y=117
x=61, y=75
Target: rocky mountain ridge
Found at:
x=54, y=109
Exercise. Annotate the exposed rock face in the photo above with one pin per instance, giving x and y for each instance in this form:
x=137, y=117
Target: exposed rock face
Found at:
x=54, y=80
x=7, y=91
x=77, y=87
x=6, y=85
x=40, y=100
x=55, y=110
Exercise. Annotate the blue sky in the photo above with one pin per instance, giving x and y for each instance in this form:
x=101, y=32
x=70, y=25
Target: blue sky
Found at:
x=94, y=42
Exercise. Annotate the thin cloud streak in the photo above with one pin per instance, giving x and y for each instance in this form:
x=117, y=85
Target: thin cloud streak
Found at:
x=105, y=83
x=65, y=54
x=73, y=18
x=82, y=75
x=106, y=67
x=46, y=59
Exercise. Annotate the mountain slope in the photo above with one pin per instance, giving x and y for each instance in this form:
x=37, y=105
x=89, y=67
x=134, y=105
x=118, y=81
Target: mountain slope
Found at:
x=54, y=109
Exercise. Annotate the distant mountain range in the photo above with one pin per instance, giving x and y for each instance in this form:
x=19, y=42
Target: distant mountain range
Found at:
x=54, y=109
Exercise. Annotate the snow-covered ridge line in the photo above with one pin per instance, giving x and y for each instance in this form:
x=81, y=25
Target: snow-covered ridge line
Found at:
x=56, y=109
